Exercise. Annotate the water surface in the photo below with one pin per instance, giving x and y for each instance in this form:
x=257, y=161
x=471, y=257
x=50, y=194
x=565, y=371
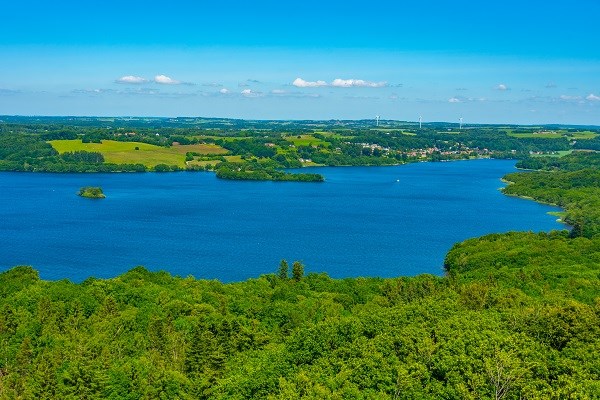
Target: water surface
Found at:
x=363, y=221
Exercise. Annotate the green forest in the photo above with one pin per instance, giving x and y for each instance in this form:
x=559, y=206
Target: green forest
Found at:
x=571, y=182
x=516, y=316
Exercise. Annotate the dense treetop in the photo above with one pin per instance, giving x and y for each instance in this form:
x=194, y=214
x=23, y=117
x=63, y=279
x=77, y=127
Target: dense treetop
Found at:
x=572, y=182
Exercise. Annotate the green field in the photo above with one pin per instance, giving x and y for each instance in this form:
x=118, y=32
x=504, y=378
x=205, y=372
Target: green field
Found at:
x=546, y=135
x=555, y=135
x=333, y=135
x=202, y=163
x=386, y=130
x=561, y=153
x=223, y=138
x=148, y=154
x=583, y=135
x=234, y=158
x=450, y=132
x=306, y=140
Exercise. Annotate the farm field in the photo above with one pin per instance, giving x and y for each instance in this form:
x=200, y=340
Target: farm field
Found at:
x=146, y=154
x=306, y=140
x=223, y=138
x=556, y=134
x=234, y=158
x=561, y=153
x=584, y=135
x=387, y=130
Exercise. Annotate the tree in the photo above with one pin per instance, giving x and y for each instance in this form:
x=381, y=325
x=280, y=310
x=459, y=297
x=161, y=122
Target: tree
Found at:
x=297, y=270
x=162, y=168
x=283, y=270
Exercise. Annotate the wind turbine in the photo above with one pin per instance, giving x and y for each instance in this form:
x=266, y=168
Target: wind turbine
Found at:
x=377, y=120
x=461, y=121
x=420, y=121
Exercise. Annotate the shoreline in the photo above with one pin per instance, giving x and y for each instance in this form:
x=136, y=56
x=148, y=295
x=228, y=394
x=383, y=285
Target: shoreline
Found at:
x=456, y=242
x=559, y=220
x=283, y=169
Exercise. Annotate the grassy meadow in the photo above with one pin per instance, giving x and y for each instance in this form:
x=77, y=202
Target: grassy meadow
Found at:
x=147, y=154
x=561, y=153
x=555, y=135
x=306, y=140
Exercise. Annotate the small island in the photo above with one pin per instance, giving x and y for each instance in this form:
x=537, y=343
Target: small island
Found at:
x=91, y=192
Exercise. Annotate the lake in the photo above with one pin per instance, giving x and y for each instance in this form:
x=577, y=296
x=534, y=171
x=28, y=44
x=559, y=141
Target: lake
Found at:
x=363, y=221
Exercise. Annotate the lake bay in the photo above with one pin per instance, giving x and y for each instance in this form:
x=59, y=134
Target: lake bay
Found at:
x=362, y=221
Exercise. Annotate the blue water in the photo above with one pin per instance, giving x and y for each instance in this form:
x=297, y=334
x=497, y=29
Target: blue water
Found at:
x=374, y=221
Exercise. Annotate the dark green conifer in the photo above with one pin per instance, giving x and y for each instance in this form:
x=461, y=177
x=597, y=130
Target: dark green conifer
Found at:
x=283, y=270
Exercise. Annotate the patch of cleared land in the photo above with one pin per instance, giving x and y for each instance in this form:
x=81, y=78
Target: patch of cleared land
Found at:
x=451, y=132
x=306, y=140
x=333, y=135
x=545, y=135
x=560, y=153
x=583, y=135
x=148, y=154
x=389, y=130
x=203, y=163
x=224, y=138
x=556, y=134
x=234, y=158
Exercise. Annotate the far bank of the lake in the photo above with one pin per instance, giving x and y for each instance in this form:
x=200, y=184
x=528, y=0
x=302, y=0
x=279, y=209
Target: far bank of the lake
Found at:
x=373, y=221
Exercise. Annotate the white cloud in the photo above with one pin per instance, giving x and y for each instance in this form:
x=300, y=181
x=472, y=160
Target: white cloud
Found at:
x=165, y=80
x=344, y=83
x=454, y=100
x=130, y=79
x=592, y=97
x=356, y=83
x=250, y=93
x=299, y=82
x=224, y=91
x=155, y=93
x=502, y=87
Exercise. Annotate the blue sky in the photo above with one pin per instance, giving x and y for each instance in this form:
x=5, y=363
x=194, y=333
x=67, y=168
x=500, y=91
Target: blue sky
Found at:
x=494, y=62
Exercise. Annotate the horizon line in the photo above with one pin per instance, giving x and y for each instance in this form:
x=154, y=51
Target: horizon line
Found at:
x=464, y=124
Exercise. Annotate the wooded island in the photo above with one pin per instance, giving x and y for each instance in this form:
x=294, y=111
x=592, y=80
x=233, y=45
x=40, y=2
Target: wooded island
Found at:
x=91, y=192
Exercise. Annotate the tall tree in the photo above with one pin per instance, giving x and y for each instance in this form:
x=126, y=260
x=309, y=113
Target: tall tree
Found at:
x=297, y=270
x=283, y=270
